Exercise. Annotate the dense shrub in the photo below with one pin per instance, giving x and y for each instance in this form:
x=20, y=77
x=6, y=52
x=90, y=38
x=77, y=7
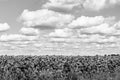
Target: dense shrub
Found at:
x=60, y=67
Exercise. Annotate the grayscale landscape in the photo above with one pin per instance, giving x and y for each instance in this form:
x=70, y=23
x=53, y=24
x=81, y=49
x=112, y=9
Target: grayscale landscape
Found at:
x=59, y=39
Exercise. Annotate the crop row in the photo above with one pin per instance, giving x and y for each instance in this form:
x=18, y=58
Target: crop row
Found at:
x=105, y=67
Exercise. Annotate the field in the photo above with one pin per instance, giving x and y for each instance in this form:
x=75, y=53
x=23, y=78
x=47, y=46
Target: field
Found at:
x=97, y=67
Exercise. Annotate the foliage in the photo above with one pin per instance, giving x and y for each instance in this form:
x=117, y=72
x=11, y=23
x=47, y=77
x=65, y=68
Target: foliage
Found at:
x=105, y=67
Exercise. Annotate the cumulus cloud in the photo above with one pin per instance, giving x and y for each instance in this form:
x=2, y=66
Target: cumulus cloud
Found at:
x=58, y=40
x=19, y=42
x=63, y=4
x=45, y=18
x=9, y=47
x=96, y=38
x=16, y=37
x=87, y=29
x=96, y=29
x=38, y=45
x=61, y=33
x=94, y=25
x=94, y=5
x=117, y=25
x=84, y=21
x=29, y=31
x=4, y=26
x=97, y=5
x=114, y=1
x=100, y=29
x=100, y=39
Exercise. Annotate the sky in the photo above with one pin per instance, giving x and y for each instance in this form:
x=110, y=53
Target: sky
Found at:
x=59, y=27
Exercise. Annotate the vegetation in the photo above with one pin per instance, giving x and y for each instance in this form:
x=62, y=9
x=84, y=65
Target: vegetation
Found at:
x=105, y=67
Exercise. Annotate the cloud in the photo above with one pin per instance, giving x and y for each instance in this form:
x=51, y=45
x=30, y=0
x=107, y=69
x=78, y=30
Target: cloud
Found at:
x=62, y=4
x=84, y=21
x=97, y=5
x=4, y=26
x=87, y=30
x=46, y=18
x=114, y=1
x=29, y=31
x=61, y=40
x=17, y=37
x=7, y=46
x=61, y=33
x=89, y=39
x=94, y=5
x=100, y=29
x=37, y=45
x=100, y=39
x=94, y=25
x=19, y=42
x=117, y=25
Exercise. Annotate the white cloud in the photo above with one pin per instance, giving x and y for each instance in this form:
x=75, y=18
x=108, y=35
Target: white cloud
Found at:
x=16, y=37
x=61, y=33
x=63, y=4
x=84, y=21
x=29, y=31
x=38, y=45
x=114, y=1
x=82, y=35
x=45, y=17
x=100, y=39
x=110, y=20
x=117, y=25
x=94, y=5
x=93, y=39
x=19, y=42
x=57, y=39
x=102, y=29
x=94, y=25
x=96, y=38
x=6, y=46
x=97, y=5
x=4, y=26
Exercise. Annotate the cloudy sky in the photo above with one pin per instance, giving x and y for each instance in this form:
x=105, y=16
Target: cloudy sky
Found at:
x=69, y=27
